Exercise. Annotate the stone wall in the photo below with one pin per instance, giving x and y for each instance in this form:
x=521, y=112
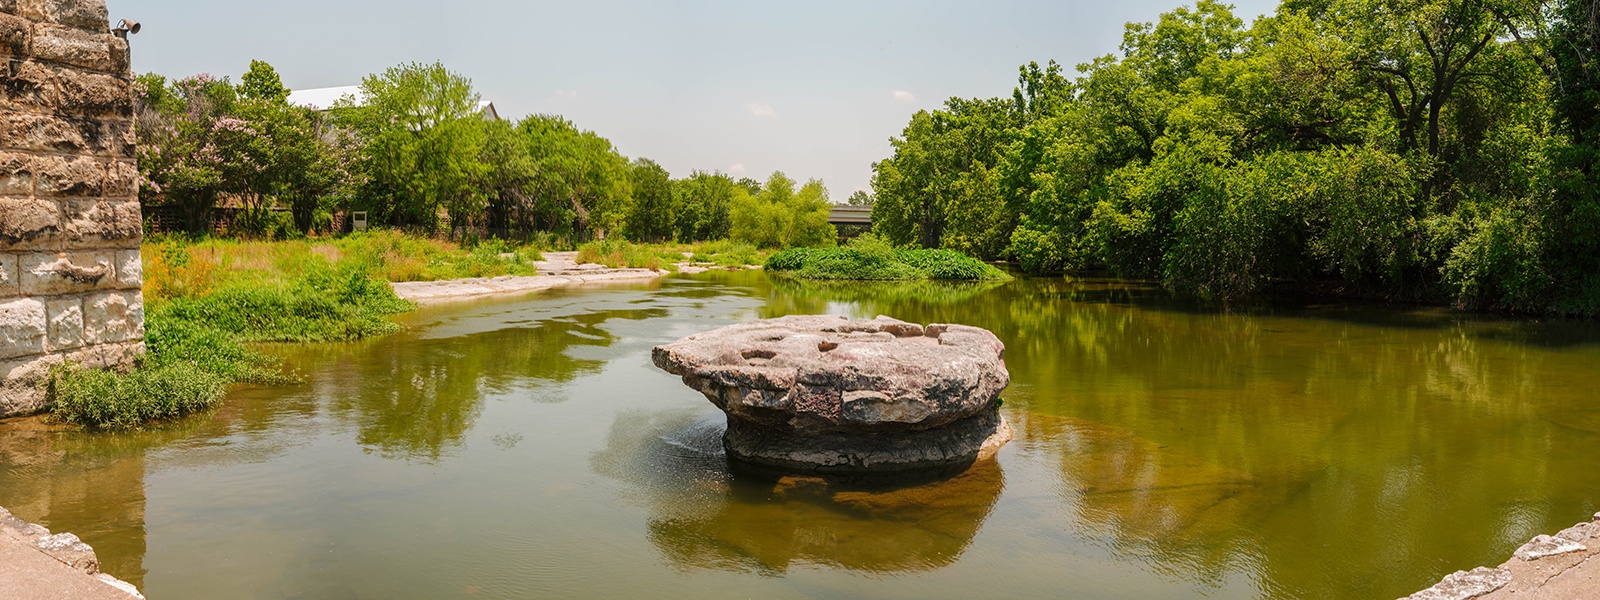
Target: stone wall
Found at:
x=69, y=210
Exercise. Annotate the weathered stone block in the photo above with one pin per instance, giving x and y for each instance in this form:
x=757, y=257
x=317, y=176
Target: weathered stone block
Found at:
x=22, y=328
x=30, y=222
x=16, y=174
x=120, y=57
x=102, y=223
x=122, y=179
x=43, y=133
x=77, y=13
x=66, y=273
x=14, y=34
x=66, y=323
x=57, y=88
x=68, y=176
x=130, y=269
x=113, y=317
x=22, y=389
x=106, y=356
x=76, y=47
x=10, y=285
x=32, y=10
x=115, y=138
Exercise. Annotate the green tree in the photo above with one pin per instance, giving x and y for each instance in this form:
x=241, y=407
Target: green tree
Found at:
x=261, y=82
x=781, y=216
x=704, y=200
x=652, y=216
x=937, y=190
x=422, y=138
x=180, y=126
x=579, y=184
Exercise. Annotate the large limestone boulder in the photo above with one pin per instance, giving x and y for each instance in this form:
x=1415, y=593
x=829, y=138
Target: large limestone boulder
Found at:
x=833, y=395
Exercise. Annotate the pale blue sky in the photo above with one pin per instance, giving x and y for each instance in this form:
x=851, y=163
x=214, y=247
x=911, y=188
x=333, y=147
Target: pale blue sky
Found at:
x=814, y=89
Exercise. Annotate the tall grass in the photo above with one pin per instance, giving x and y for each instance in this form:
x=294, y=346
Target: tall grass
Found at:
x=619, y=253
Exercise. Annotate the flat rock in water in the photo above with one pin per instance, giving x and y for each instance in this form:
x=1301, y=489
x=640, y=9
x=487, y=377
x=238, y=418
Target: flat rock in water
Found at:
x=831, y=393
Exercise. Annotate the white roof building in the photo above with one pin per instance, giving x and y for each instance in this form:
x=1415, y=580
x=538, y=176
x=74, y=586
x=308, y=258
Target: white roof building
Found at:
x=325, y=98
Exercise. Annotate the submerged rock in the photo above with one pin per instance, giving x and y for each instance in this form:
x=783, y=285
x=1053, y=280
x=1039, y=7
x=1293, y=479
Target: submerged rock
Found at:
x=829, y=394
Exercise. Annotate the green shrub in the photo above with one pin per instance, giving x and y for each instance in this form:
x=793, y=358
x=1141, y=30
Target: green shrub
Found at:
x=790, y=260
x=870, y=258
x=104, y=399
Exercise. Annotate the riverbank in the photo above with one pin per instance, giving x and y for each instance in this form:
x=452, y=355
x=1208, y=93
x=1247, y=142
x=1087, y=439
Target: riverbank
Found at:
x=557, y=269
x=1565, y=566
x=37, y=565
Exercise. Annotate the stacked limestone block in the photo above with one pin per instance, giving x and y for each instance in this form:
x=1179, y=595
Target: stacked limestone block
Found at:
x=69, y=210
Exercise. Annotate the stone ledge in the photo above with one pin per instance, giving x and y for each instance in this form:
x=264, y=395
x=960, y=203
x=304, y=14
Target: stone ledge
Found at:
x=81, y=579
x=1557, y=566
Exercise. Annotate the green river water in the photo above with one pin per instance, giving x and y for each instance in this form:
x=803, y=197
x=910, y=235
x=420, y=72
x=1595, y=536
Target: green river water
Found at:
x=521, y=448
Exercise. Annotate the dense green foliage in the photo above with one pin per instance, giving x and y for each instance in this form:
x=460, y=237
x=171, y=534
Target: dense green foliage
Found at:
x=1403, y=148
x=202, y=141
x=870, y=258
x=781, y=217
x=421, y=141
x=416, y=151
x=653, y=216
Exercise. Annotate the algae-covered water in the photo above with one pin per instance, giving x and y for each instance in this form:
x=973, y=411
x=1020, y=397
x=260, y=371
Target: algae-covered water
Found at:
x=525, y=447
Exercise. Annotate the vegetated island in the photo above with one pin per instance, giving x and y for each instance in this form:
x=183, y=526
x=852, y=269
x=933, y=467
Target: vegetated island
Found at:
x=869, y=258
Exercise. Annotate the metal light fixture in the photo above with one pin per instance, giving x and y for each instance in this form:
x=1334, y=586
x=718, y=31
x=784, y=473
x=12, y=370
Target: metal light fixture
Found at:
x=126, y=27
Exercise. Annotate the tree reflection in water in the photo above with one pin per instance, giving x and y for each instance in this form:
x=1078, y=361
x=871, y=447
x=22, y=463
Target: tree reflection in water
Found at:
x=418, y=395
x=1322, y=448
x=703, y=517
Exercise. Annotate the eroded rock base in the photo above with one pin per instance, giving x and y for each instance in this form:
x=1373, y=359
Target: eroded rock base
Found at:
x=949, y=449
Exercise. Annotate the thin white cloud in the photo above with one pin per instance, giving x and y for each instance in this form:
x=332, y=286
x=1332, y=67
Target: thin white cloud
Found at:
x=904, y=96
x=760, y=109
x=736, y=169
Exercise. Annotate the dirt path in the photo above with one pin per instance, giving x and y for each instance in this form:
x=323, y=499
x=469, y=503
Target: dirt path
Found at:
x=558, y=269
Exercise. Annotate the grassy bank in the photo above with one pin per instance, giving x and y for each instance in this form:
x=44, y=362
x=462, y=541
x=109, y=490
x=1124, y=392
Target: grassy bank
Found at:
x=205, y=299
x=869, y=258
x=621, y=253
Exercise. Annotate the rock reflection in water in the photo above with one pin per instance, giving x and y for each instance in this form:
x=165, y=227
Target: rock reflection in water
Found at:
x=703, y=517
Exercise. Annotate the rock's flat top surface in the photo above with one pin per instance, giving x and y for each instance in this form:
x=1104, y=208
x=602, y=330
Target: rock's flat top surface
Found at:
x=835, y=374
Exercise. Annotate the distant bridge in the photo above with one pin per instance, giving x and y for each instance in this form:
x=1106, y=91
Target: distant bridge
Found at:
x=850, y=215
